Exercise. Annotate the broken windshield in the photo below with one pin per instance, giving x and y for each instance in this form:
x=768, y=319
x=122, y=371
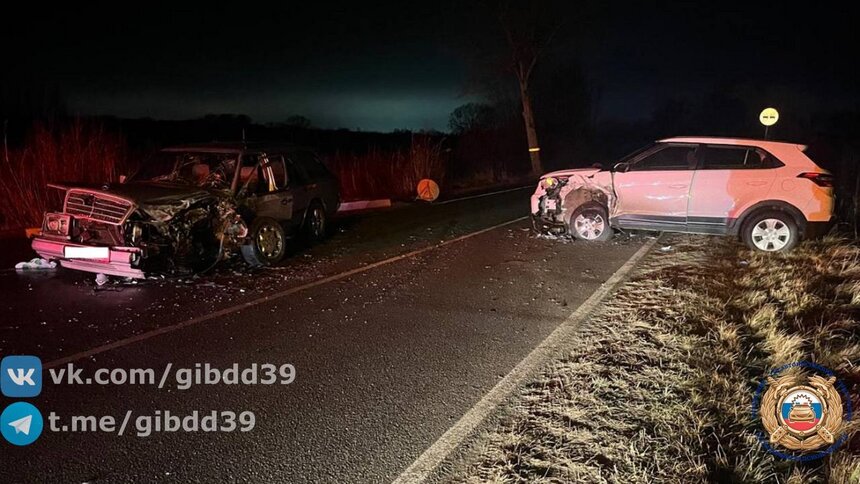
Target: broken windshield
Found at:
x=205, y=170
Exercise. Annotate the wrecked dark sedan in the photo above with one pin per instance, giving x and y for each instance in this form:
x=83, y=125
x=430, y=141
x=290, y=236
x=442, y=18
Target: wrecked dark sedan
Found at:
x=188, y=208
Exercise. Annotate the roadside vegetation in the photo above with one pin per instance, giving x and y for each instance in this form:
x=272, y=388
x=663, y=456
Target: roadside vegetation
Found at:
x=658, y=385
x=389, y=174
x=368, y=165
x=75, y=151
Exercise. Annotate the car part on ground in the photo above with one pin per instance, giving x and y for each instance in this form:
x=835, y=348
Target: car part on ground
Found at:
x=36, y=264
x=696, y=185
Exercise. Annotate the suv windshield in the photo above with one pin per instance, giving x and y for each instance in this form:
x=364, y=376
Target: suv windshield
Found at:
x=206, y=170
x=630, y=157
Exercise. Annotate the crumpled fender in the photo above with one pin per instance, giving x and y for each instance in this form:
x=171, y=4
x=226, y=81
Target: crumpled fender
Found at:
x=581, y=189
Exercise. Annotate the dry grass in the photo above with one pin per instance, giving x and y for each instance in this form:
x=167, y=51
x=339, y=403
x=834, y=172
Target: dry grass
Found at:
x=78, y=151
x=658, y=387
x=379, y=174
x=81, y=151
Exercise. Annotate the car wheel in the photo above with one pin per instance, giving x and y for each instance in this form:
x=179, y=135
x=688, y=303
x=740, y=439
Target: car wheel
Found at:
x=316, y=223
x=771, y=231
x=267, y=244
x=590, y=222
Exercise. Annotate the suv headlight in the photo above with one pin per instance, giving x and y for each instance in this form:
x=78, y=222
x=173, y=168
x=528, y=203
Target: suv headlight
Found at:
x=551, y=181
x=57, y=224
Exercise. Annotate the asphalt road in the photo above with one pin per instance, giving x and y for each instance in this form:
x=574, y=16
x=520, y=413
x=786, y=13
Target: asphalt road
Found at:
x=386, y=359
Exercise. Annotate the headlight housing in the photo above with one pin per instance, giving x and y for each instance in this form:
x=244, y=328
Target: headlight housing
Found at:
x=57, y=224
x=551, y=181
x=135, y=232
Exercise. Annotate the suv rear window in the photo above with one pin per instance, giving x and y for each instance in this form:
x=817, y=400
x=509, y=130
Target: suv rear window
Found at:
x=720, y=157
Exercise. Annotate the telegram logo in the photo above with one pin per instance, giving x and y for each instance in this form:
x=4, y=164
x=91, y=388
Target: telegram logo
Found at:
x=21, y=376
x=21, y=423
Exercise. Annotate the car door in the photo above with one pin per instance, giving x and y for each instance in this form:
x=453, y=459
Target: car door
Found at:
x=729, y=179
x=653, y=188
x=321, y=183
x=263, y=184
x=298, y=187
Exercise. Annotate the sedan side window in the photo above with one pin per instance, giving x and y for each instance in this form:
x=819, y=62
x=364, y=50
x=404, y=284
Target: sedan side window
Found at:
x=249, y=177
x=672, y=157
x=279, y=179
x=311, y=166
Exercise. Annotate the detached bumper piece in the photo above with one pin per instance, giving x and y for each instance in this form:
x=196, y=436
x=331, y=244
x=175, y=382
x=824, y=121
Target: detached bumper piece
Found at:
x=548, y=218
x=120, y=261
x=546, y=225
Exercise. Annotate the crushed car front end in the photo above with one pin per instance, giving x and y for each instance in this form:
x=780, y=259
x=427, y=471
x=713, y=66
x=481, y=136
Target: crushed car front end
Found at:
x=90, y=234
x=560, y=193
x=132, y=230
x=546, y=207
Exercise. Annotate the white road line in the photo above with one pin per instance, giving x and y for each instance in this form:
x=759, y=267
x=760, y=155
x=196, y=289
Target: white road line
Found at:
x=484, y=194
x=270, y=297
x=427, y=462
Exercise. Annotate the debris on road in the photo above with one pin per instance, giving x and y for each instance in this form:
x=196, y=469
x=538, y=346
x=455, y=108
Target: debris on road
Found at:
x=101, y=279
x=36, y=263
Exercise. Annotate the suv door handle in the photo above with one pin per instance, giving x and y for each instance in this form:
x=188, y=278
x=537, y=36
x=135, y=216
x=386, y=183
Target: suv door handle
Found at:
x=678, y=185
x=286, y=201
x=756, y=183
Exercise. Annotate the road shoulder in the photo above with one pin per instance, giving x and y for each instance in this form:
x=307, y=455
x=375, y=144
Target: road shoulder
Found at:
x=426, y=464
x=658, y=386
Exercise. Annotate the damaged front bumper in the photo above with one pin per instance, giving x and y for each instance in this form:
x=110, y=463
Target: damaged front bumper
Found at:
x=547, y=212
x=121, y=261
x=547, y=226
x=557, y=197
x=546, y=215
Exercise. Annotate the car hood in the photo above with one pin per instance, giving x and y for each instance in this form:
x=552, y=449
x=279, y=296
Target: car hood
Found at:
x=571, y=172
x=146, y=193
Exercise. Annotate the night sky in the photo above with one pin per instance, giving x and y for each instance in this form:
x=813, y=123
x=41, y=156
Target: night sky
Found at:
x=388, y=65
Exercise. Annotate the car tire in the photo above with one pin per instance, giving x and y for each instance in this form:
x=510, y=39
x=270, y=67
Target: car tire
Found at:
x=267, y=243
x=771, y=231
x=316, y=223
x=590, y=222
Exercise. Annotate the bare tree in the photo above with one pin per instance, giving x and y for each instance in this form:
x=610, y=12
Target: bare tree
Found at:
x=529, y=30
x=471, y=117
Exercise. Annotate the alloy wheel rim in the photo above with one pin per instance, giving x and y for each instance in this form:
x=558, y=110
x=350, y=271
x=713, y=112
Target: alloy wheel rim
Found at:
x=771, y=235
x=589, y=227
x=269, y=241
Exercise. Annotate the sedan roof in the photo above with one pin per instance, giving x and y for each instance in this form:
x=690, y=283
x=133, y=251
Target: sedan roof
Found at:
x=233, y=147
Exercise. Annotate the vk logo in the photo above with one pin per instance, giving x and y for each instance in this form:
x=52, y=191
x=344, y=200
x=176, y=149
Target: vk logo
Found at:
x=21, y=423
x=21, y=376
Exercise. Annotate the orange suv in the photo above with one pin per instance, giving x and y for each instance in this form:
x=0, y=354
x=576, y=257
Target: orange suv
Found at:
x=768, y=193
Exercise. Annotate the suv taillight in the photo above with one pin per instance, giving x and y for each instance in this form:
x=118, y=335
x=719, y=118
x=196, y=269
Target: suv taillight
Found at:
x=821, y=179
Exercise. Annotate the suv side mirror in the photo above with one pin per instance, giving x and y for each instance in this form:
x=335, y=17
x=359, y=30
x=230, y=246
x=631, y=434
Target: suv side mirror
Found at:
x=621, y=167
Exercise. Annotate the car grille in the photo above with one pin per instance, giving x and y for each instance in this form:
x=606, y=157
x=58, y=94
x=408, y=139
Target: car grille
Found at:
x=97, y=206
